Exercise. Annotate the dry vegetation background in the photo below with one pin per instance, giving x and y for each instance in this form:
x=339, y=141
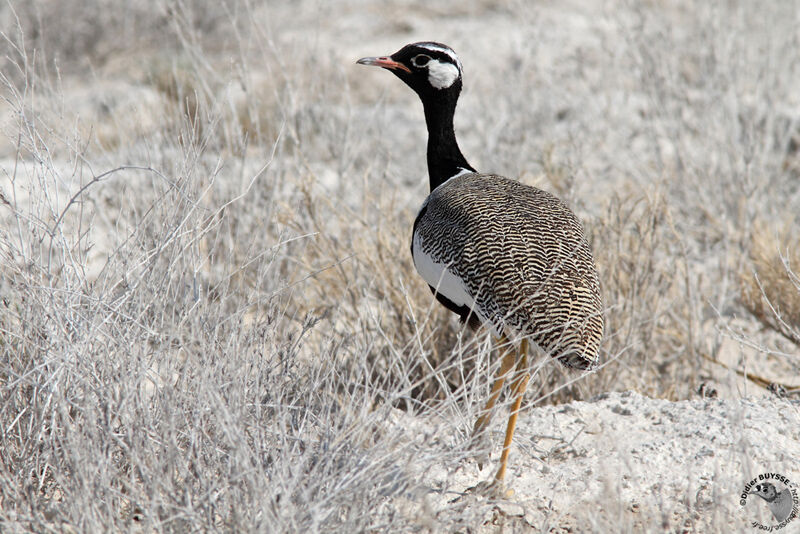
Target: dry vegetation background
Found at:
x=209, y=310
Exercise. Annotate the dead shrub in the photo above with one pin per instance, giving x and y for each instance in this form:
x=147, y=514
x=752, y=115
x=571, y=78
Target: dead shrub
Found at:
x=770, y=288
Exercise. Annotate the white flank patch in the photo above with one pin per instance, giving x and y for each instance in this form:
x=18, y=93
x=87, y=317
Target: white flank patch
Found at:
x=441, y=75
x=440, y=278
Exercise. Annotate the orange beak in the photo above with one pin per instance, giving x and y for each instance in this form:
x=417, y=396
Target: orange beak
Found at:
x=385, y=62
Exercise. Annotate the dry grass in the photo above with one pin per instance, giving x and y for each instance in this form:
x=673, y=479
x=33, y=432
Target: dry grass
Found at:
x=209, y=310
x=771, y=290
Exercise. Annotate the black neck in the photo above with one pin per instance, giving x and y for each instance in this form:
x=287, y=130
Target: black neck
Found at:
x=444, y=158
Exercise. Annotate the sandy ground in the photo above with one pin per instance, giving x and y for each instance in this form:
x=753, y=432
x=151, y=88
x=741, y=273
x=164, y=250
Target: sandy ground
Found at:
x=624, y=462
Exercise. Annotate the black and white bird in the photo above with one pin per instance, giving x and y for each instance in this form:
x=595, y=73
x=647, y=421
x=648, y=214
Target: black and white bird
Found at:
x=496, y=252
x=779, y=502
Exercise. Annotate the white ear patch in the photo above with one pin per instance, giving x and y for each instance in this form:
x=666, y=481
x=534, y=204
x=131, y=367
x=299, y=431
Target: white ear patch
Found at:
x=441, y=75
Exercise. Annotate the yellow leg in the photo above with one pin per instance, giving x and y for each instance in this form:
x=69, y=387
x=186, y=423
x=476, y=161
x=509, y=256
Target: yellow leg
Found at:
x=518, y=387
x=505, y=367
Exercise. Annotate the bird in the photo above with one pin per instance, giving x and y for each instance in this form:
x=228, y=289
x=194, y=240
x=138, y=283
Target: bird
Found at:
x=779, y=502
x=500, y=254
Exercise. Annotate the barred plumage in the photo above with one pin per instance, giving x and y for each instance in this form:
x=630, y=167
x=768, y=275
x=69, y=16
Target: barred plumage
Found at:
x=523, y=258
x=495, y=251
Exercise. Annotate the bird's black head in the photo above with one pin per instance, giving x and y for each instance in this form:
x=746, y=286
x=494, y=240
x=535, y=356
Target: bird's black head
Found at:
x=766, y=491
x=431, y=69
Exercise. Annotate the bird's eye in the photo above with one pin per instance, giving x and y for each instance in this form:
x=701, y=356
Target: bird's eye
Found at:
x=420, y=60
